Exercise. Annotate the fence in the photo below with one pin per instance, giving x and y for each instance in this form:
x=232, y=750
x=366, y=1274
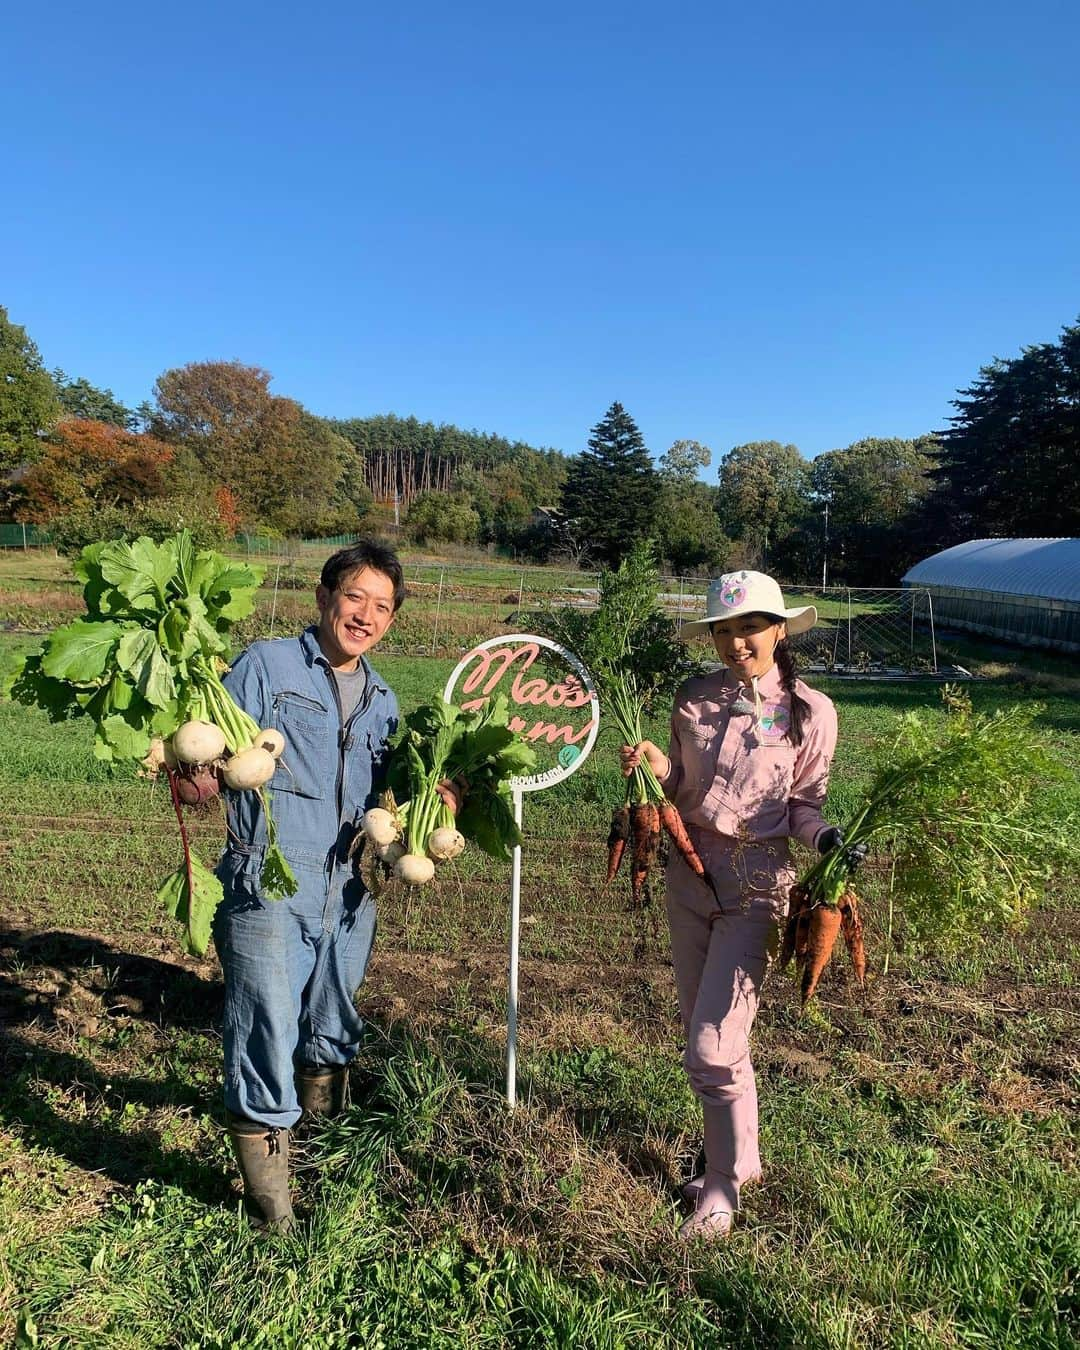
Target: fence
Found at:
x=23, y=536
x=879, y=633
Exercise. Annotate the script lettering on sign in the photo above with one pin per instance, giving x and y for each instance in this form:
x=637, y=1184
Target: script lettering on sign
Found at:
x=554, y=704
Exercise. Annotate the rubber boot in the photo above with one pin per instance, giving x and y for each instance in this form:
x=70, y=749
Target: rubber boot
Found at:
x=321, y=1089
x=263, y=1155
x=748, y=1159
x=719, y=1196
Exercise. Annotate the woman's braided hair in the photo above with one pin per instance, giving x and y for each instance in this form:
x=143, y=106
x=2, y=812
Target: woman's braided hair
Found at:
x=800, y=709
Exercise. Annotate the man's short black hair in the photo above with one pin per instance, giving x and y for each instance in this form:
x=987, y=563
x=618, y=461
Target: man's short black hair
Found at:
x=371, y=553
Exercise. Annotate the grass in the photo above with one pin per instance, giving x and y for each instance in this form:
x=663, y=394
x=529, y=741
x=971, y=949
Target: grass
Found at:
x=919, y=1138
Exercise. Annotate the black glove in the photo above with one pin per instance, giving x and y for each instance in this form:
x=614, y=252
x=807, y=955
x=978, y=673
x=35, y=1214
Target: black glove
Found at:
x=832, y=837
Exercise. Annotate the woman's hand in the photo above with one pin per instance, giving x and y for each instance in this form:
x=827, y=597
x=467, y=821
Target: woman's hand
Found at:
x=630, y=756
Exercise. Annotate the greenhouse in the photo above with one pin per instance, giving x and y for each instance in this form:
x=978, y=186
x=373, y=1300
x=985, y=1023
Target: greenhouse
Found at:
x=1019, y=590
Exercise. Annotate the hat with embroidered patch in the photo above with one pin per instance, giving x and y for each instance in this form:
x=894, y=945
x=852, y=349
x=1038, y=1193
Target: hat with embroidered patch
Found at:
x=738, y=593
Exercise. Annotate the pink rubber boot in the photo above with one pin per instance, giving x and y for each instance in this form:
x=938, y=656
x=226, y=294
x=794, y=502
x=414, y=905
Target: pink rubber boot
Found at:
x=747, y=1158
x=725, y=1139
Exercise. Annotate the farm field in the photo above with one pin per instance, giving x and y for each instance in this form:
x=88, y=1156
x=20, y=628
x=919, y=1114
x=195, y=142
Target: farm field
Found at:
x=919, y=1139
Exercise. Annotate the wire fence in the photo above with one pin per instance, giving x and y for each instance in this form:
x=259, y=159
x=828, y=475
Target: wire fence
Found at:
x=876, y=633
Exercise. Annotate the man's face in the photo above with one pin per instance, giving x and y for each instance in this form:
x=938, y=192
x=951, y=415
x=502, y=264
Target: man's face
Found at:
x=354, y=617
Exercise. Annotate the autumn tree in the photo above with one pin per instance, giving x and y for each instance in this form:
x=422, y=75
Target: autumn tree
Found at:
x=28, y=403
x=285, y=467
x=611, y=489
x=86, y=463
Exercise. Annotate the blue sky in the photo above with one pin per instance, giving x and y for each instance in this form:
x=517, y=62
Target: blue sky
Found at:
x=803, y=222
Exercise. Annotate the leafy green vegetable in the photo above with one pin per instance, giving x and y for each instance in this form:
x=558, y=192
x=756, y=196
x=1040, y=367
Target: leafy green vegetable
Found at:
x=148, y=656
x=440, y=741
x=154, y=636
x=191, y=895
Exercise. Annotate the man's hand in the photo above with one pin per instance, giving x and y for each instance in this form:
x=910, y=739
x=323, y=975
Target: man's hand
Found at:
x=832, y=838
x=452, y=792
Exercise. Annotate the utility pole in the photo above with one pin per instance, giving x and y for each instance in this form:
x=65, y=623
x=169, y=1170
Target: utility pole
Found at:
x=825, y=550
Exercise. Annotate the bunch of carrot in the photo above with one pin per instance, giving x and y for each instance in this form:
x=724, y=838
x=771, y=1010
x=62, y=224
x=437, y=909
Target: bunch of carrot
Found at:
x=953, y=802
x=646, y=811
x=811, y=932
x=634, y=655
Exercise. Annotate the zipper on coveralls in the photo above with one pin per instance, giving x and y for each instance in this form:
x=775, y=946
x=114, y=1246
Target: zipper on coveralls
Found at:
x=345, y=743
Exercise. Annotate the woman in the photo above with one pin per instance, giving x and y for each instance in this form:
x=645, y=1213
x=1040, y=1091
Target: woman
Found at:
x=748, y=767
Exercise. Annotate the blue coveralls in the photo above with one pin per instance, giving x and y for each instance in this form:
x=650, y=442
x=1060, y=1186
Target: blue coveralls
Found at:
x=292, y=966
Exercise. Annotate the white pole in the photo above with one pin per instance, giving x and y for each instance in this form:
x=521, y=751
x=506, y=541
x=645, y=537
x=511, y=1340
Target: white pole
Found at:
x=512, y=984
x=438, y=607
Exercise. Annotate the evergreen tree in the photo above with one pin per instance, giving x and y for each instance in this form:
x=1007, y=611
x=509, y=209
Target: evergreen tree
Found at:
x=79, y=398
x=1010, y=462
x=28, y=403
x=611, y=490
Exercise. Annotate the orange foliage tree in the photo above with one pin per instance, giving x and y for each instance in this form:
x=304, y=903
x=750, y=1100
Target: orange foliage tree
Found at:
x=84, y=463
x=227, y=510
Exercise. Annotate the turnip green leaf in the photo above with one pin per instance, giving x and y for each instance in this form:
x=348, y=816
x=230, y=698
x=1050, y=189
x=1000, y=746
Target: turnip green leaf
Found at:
x=81, y=651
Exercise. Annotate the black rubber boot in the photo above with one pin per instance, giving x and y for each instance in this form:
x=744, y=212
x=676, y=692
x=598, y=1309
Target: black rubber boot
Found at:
x=263, y=1155
x=321, y=1089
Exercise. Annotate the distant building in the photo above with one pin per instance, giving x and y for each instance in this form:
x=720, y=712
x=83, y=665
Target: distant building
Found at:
x=1019, y=590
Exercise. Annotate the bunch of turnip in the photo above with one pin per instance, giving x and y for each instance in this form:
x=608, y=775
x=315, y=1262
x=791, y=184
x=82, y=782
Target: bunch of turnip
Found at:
x=412, y=838
x=414, y=831
x=198, y=755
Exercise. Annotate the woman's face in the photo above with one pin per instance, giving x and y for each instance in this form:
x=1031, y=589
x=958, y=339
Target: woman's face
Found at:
x=746, y=645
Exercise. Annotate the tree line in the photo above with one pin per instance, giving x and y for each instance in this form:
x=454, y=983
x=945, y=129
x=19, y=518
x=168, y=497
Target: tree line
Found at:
x=215, y=449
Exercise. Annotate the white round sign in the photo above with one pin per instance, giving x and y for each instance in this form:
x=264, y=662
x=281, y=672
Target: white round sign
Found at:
x=554, y=704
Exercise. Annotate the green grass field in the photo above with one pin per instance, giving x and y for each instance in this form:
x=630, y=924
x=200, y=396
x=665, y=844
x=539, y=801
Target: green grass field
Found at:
x=919, y=1138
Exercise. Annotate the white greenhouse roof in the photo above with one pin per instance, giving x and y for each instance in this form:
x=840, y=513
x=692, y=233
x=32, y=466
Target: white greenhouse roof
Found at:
x=1048, y=568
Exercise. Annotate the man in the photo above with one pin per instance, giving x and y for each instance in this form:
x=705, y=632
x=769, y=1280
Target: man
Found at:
x=293, y=966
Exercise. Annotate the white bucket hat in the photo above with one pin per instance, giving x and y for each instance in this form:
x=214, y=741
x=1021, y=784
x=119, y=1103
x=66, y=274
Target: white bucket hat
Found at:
x=737, y=593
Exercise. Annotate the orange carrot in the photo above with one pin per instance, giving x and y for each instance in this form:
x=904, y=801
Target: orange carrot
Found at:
x=642, y=817
x=673, y=823
x=616, y=840
x=822, y=931
x=851, y=925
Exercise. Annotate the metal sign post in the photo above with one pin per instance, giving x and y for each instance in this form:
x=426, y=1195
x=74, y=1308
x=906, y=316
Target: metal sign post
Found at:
x=502, y=665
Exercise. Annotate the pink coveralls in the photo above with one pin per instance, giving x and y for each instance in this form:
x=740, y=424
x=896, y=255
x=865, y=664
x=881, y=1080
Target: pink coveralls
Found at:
x=743, y=788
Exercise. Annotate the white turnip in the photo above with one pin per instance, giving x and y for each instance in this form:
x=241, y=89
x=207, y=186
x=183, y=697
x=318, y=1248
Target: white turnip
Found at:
x=391, y=852
x=272, y=740
x=160, y=756
x=249, y=769
x=445, y=844
x=414, y=869
x=198, y=743
x=380, y=826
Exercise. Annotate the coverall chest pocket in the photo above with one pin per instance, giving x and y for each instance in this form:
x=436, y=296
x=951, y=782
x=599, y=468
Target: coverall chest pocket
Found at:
x=762, y=777
x=306, y=765
x=700, y=742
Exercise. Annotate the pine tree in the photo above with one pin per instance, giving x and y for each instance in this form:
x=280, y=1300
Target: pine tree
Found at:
x=611, y=490
x=1010, y=462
